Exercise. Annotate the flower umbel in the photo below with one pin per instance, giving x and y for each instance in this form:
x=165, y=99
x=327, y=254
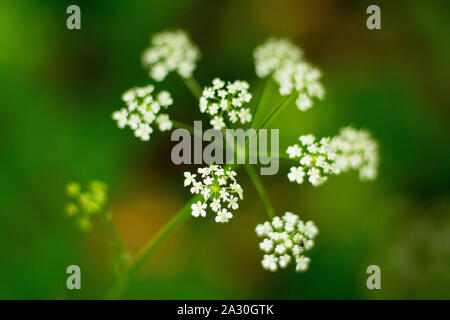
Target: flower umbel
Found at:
x=226, y=102
x=219, y=189
x=351, y=149
x=285, y=240
x=142, y=109
x=171, y=51
x=274, y=54
x=85, y=203
x=316, y=160
x=283, y=60
x=357, y=150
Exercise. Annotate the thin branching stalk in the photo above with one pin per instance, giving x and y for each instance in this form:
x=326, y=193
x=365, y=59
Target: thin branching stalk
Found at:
x=193, y=86
x=260, y=189
x=112, y=232
x=151, y=245
x=275, y=111
x=258, y=102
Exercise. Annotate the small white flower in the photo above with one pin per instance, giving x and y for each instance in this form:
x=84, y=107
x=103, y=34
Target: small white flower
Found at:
x=164, y=98
x=224, y=194
x=215, y=204
x=148, y=116
x=205, y=193
x=290, y=218
x=155, y=107
x=213, y=108
x=296, y=174
x=288, y=243
x=302, y=264
x=307, y=139
x=121, y=117
x=266, y=245
x=280, y=248
x=204, y=171
x=164, y=123
x=294, y=151
x=208, y=93
x=223, y=94
x=260, y=230
x=224, y=104
x=296, y=250
x=217, y=123
x=277, y=223
x=203, y=104
x=208, y=181
x=198, y=209
x=189, y=178
x=223, y=216
x=217, y=83
x=311, y=229
x=245, y=115
x=196, y=187
x=284, y=260
x=303, y=102
x=134, y=121
x=231, y=173
x=158, y=72
x=233, y=203
x=233, y=115
x=270, y=262
x=308, y=244
x=143, y=132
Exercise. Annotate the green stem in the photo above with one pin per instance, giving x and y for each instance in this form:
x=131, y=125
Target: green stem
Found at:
x=193, y=86
x=123, y=260
x=275, y=111
x=258, y=102
x=260, y=189
x=156, y=241
x=182, y=125
x=280, y=156
x=112, y=232
x=268, y=118
x=119, y=287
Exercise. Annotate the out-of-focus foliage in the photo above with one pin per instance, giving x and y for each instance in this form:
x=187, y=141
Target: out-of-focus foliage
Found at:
x=59, y=88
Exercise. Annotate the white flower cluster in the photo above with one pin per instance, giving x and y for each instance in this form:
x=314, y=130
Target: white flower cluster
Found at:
x=285, y=239
x=316, y=160
x=283, y=60
x=355, y=149
x=142, y=109
x=171, y=51
x=219, y=189
x=273, y=54
x=226, y=99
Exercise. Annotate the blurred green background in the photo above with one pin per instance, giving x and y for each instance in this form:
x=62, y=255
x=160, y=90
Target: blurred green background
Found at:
x=59, y=88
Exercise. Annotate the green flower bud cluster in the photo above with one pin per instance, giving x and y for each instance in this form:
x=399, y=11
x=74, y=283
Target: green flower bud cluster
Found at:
x=85, y=203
